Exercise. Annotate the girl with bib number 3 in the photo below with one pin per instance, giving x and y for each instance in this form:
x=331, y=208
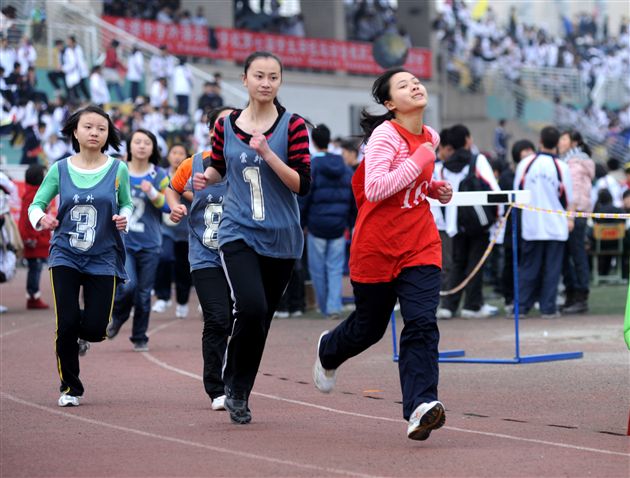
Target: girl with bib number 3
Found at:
x=263, y=151
x=86, y=249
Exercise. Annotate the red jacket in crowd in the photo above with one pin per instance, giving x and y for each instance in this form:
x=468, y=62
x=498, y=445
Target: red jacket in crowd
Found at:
x=36, y=243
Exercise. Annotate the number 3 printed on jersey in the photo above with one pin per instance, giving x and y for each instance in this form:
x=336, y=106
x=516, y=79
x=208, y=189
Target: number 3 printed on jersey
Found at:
x=85, y=215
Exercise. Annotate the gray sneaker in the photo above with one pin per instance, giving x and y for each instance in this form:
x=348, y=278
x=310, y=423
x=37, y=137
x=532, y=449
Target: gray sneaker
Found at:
x=140, y=347
x=84, y=346
x=112, y=329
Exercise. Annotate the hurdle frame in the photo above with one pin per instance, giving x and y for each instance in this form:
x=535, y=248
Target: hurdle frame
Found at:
x=497, y=197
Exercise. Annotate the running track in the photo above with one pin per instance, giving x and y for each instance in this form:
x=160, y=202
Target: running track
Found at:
x=147, y=414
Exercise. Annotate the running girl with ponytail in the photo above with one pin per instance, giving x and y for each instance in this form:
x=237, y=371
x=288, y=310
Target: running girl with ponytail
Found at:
x=263, y=152
x=395, y=252
x=86, y=249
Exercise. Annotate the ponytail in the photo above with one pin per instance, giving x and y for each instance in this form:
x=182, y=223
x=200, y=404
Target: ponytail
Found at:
x=369, y=122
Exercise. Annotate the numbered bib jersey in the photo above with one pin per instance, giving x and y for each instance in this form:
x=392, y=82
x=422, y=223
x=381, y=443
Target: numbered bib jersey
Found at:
x=145, y=223
x=203, y=220
x=259, y=209
x=86, y=238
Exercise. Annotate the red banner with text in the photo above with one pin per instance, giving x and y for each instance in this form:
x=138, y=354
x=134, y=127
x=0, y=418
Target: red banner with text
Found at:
x=231, y=44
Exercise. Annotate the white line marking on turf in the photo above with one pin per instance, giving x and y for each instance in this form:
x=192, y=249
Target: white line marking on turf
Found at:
x=166, y=366
x=179, y=441
x=14, y=331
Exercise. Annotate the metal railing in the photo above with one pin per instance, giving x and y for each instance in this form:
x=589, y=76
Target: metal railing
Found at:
x=534, y=105
x=93, y=34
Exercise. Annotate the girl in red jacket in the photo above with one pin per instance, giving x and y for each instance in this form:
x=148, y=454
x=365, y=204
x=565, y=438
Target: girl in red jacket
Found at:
x=36, y=243
x=396, y=252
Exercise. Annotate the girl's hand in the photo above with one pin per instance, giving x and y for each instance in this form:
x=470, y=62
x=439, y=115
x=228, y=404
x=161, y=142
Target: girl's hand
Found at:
x=120, y=221
x=440, y=190
x=146, y=186
x=177, y=213
x=48, y=222
x=199, y=181
x=259, y=143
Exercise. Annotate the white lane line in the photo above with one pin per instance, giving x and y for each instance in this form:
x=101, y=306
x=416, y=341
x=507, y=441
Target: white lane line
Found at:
x=15, y=331
x=185, y=373
x=240, y=454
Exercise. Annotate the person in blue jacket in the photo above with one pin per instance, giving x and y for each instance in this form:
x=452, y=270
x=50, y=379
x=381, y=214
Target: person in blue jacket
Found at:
x=327, y=212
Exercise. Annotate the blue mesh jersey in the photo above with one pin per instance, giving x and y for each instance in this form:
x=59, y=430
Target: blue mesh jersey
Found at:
x=86, y=238
x=145, y=223
x=259, y=208
x=203, y=221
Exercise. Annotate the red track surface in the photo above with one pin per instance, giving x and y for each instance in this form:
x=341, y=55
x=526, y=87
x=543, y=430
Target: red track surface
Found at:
x=147, y=414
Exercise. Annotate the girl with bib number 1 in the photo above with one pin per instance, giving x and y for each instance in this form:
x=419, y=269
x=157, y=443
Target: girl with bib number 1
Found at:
x=263, y=152
x=86, y=249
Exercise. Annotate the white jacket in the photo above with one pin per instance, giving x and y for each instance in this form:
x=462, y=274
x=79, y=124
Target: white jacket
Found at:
x=135, y=67
x=542, y=180
x=99, y=92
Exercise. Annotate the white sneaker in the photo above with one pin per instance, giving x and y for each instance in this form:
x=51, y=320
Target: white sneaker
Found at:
x=218, y=403
x=425, y=418
x=297, y=313
x=490, y=309
x=486, y=310
x=444, y=314
x=161, y=306
x=281, y=315
x=324, y=379
x=181, y=311
x=66, y=400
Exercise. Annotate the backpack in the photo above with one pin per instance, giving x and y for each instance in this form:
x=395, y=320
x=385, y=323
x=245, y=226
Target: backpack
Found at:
x=475, y=220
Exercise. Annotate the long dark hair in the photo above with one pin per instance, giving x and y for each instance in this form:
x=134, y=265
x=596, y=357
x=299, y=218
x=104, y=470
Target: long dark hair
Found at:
x=71, y=124
x=577, y=137
x=213, y=115
x=155, y=153
x=380, y=93
x=262, y=54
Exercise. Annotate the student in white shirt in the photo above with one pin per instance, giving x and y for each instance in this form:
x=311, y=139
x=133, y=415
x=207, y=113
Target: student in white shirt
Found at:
x=158, y=96
x=99, y=92
x=26, y=55
x=135, y=72
x=182, y=86
x=81, y=64
x=544, y=235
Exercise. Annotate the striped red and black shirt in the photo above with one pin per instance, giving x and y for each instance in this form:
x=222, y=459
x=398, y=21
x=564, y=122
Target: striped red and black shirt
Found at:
x=299, y=155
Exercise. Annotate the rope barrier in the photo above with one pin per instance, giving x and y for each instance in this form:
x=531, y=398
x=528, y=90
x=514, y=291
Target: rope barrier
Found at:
x=501, y=225
x=596, y=215
x=484, y=257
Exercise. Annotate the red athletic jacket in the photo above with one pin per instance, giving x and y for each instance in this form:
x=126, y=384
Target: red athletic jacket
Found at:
x=36, y=243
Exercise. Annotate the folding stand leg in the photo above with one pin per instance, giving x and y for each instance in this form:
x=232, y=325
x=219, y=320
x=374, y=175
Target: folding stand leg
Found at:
x=447, y=353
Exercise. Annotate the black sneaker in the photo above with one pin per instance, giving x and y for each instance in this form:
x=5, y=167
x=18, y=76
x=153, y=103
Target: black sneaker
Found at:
x=236, y=405
x=84, y=346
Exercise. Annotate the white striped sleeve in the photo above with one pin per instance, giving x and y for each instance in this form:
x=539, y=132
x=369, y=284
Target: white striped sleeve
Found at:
x=380, y=180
